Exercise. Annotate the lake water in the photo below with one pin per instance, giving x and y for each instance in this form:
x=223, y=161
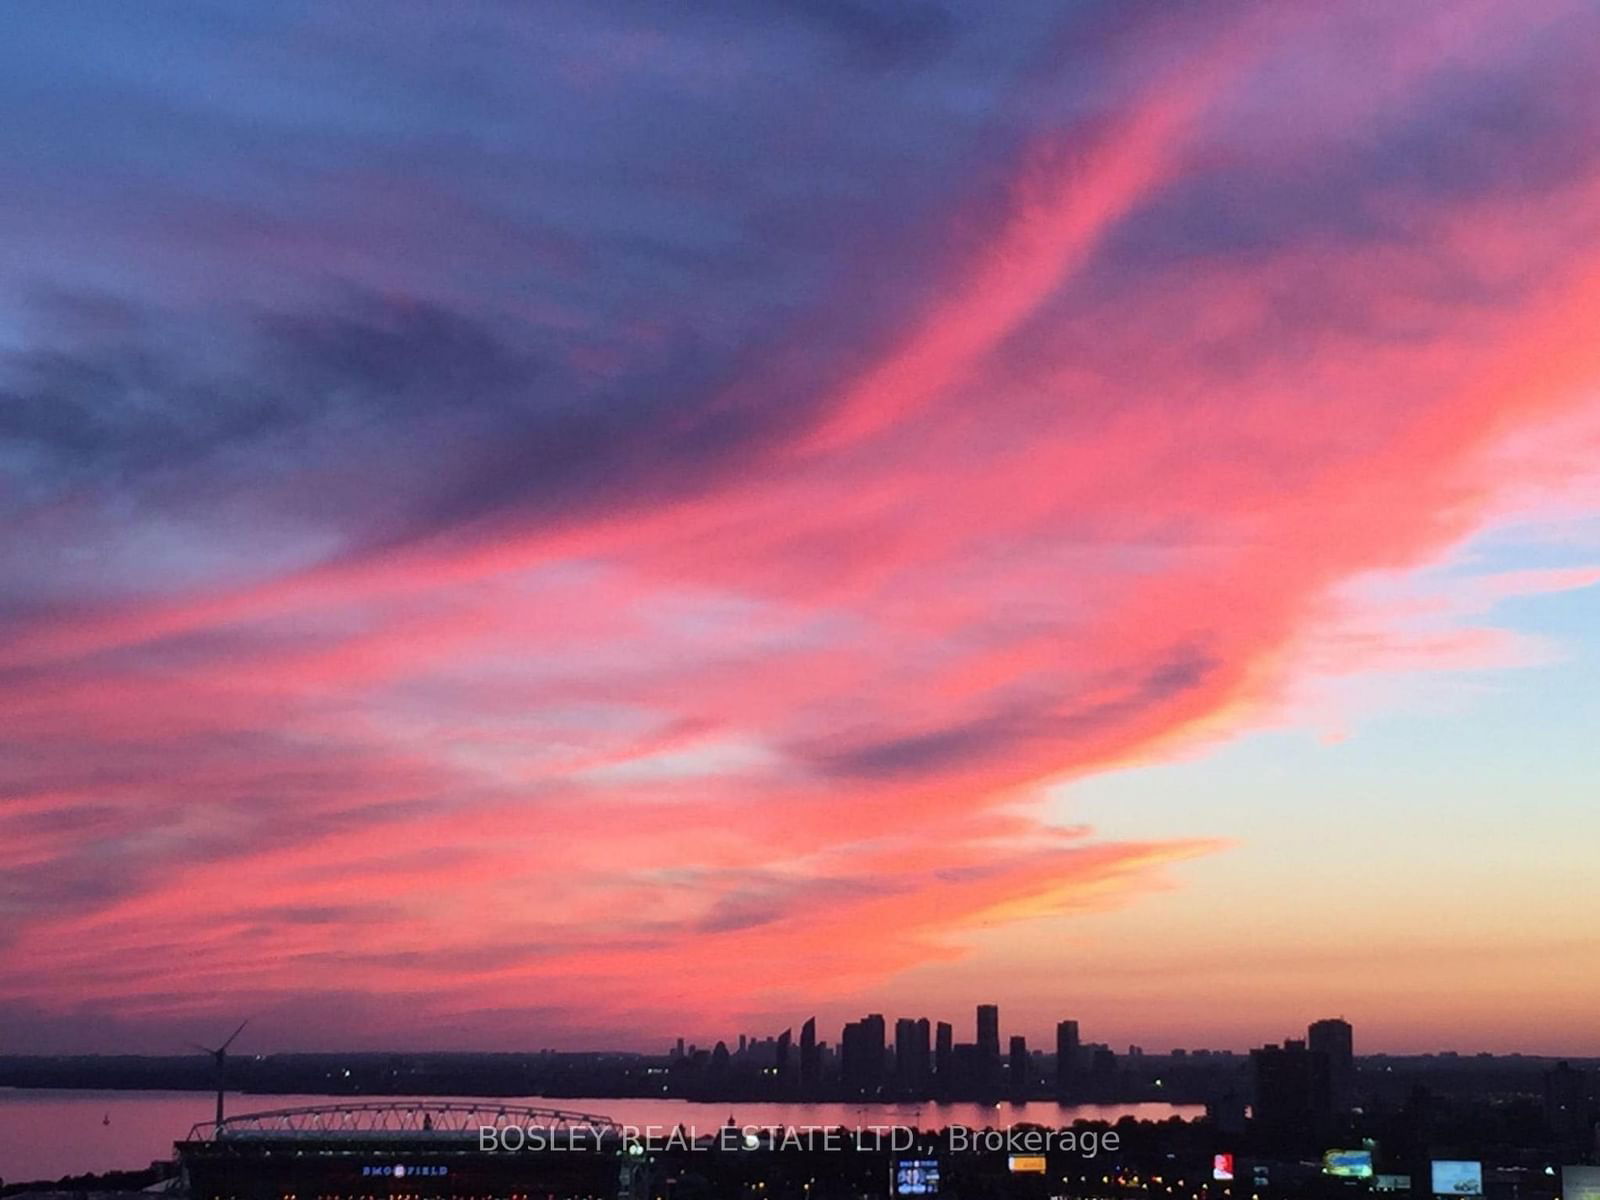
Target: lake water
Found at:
x=45, y=1134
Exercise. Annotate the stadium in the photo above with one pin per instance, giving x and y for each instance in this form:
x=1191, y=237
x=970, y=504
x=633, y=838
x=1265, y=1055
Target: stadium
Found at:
x=409, y=1150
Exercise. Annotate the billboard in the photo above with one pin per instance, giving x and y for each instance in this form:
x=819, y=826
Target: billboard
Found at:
x=1391, y=1183
x=1222, y=1166
x=1580, y=1183
x=1348, y=1164
x=1452, y=1177
x=1026, y=1164
x=916, y=1177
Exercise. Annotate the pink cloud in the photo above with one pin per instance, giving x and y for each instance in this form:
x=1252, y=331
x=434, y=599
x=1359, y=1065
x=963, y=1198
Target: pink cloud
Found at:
x=1068, y=516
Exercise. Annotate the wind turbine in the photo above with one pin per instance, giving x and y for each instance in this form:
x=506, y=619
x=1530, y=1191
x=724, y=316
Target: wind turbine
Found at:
x=220, y=1054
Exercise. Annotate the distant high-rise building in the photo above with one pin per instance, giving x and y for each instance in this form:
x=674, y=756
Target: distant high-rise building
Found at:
x=1293, y=1107
x=989, y=1029
x=677, y=1050
x=943, y=1052
x=1335, y=1038
x=968, y=1078
x=861, y=1048
x=912, y=1055
x=852, y=1057
x=877, y=1042
x=905, y=1031
x=989, y=1045
x=1066, y=1057
x=780, y=1060
x=1020, y=1068
x=1102, y=1082
x=810, y=1059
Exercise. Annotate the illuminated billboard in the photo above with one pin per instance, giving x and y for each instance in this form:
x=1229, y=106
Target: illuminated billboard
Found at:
x=1348, y=1164
x=916, y=1177
x=1391, y=1183
x=1026, y=1164
x=1580, y=1183
x=1455, y=1178
x=1222, y=1166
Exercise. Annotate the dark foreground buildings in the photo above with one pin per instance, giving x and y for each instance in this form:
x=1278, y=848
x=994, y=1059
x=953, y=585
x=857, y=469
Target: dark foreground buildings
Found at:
x=463, y=1150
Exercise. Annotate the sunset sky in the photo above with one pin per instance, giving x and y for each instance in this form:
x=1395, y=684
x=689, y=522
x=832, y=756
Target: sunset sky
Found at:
x=574, y=524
